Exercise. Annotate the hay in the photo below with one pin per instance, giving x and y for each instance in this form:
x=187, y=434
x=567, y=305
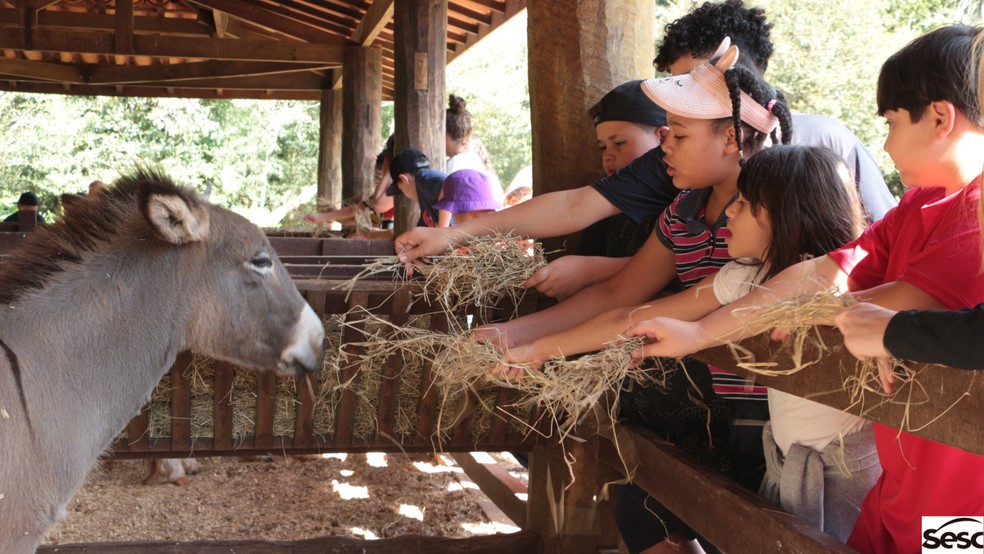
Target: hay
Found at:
x=486, y=273
x=799, y=316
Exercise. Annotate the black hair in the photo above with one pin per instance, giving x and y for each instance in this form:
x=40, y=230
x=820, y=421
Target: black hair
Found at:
x=939, y=65
x=811, y=201
x=457, y=120
x=701, y=31
x=740, y=78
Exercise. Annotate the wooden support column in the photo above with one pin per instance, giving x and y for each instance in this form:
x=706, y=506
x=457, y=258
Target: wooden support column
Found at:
x=578, y=51
x=330, y=151
x=362, y=98
x=420, y=30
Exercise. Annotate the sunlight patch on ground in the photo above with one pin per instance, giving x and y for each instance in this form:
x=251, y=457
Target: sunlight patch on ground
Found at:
x=364, y=533
x=376, y=459
x=346, y=472
x=489, y=528
x=337, y=456
x=412, y=512
x=428, y=467
x=348, y=492
x=455, y=486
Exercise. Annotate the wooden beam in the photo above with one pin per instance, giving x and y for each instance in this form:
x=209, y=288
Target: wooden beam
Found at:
x=180, y=47
x=375, y=20
x=265, y=17
x=123, y=37
x=41, y=70
x=501, y=487
x=361, y=119
x=732, y=518
x=188, y=71
x=950, y=417
x=159, y=91
x=103, y=22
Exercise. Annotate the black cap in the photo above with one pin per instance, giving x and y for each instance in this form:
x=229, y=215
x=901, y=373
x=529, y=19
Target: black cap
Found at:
x=627, y=102
x=408, y=161
x=27, y=199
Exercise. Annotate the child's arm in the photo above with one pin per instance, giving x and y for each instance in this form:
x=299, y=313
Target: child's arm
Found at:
x=672, y=338
x=566, y=275
x=649, y=271
x=342, y=214
x=689, y=305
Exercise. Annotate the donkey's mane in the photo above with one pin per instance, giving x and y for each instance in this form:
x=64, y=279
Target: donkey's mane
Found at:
x=86, y=225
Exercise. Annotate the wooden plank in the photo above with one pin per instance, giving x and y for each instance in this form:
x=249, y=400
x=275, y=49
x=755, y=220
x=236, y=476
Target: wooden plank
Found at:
x=523, y=541
x=41, y=70
x=345, y=413
x=729, y=516
x=266, y=390
x=222, y=423
x=949, y=390
x=304, y=414
x=497, y=484
x=123, y=35
x=268, y=18
x=389, y=388
x=181, y=403
x=97, y=42
x=427, y=402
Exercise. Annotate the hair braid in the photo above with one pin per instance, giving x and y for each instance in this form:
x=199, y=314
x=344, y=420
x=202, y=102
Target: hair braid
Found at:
x=742, y=79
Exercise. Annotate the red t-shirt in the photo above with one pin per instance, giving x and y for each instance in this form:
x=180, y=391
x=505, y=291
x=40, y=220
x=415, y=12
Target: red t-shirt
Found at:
x=932, y=242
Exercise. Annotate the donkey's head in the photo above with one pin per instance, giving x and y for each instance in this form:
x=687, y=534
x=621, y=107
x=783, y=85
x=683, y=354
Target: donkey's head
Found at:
x=246, y=309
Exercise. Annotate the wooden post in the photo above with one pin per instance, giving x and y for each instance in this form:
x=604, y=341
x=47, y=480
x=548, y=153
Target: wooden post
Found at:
x=578, y=51
x=420, y=30
x=330, y=151
x=362, y=98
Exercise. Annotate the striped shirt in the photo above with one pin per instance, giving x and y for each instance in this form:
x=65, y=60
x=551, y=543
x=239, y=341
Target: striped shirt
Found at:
x=698, y=251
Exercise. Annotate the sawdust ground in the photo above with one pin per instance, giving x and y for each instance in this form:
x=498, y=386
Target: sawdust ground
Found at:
x=354, y=495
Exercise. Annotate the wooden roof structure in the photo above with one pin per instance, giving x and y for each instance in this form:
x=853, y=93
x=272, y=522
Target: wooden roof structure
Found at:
x=286, y=49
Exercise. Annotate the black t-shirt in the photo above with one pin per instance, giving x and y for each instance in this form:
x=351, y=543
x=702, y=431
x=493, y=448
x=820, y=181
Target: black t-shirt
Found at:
x=13, y=217
x=641, y=189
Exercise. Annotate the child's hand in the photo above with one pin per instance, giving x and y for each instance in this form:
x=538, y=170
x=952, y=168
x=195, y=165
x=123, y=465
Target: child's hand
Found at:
x=516, y=361
x=559, y=279
x=419, y=242
x=863, y=326
x=314, y=218
x=670, y=338
x=496, y=335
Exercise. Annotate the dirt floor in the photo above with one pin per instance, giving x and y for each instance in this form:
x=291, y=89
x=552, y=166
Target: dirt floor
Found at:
x=354, y=495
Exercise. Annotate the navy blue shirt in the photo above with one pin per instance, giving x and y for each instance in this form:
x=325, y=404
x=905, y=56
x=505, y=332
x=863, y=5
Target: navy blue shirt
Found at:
x=641, y=189
x=428, y=183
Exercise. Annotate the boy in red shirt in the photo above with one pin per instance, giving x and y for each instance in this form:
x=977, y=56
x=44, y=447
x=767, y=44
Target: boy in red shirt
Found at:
x=925, y=254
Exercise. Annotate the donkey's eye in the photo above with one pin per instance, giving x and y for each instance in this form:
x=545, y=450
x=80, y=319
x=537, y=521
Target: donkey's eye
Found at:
x=261, y=261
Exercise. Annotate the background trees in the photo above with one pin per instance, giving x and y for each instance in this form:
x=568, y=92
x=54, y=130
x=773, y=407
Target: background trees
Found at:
x=261, y=156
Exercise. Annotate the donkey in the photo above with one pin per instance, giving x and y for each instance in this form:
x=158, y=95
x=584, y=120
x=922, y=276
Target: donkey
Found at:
x=95, y=308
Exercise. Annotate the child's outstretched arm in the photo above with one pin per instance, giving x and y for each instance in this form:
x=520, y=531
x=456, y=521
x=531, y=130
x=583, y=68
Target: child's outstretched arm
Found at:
x=689, y=305
x=673, y=338
x=650, y=271
x=548, y=215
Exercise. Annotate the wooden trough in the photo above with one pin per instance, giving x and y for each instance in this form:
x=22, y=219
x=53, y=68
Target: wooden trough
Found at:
x=560, y=515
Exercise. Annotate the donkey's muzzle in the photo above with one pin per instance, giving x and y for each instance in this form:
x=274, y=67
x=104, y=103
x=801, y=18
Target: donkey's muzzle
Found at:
x=306, y=351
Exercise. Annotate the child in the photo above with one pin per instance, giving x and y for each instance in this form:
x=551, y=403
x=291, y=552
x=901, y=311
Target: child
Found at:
x=924, y=254
x=793, y=201
x=412, y=176
x=466, y=194
x=626, y=126
x=464, y=150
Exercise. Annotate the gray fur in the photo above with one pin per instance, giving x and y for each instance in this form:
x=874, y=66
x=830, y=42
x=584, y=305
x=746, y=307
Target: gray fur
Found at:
x=96, y=308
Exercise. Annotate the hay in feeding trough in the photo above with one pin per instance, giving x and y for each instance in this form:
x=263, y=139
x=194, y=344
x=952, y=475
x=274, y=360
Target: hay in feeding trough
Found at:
x=482, y=275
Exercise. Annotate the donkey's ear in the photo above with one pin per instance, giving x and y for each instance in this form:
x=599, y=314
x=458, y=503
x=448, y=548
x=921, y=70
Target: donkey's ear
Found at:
x=174, y=217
